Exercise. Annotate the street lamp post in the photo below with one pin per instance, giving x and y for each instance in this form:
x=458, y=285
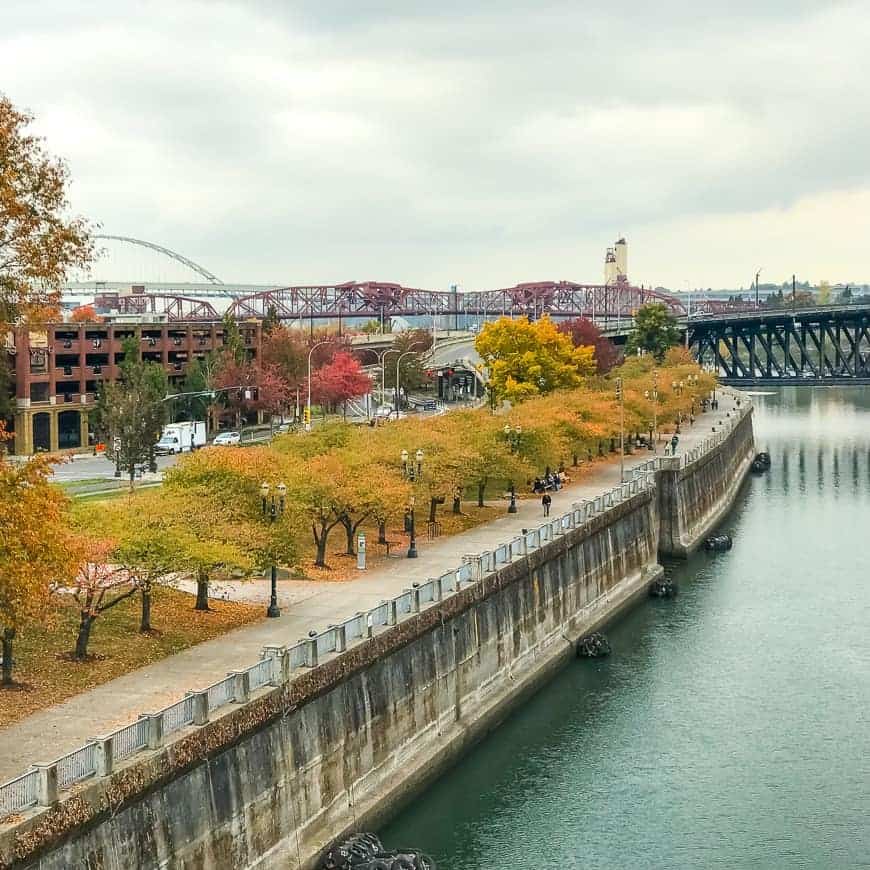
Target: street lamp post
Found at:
x=513, y=434
x=412, y=470
x=273, y=507
x=308, y=405
x=412, y=543
x=757, y=274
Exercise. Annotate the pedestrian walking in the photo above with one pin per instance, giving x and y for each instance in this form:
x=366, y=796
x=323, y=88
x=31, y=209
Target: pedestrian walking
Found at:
x=546, y=501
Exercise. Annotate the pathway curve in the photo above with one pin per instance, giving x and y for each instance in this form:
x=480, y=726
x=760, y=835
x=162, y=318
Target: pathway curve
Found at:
x=50, y=733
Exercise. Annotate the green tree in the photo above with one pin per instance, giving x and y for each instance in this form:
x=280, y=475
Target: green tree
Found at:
x=655, y=330
x=412, y=371
x=234, y=345
x=271, y=321
x=131, y=412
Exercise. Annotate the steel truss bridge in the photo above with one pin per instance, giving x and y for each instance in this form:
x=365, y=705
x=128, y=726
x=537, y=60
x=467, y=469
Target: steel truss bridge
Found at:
x=786, y=346
x=377, y=300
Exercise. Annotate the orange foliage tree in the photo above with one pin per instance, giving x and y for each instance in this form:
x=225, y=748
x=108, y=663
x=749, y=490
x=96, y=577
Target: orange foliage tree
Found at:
x=37, y=551
x=39, y=242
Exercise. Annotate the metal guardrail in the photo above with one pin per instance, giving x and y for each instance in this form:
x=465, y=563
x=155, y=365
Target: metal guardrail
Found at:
x=40, y=784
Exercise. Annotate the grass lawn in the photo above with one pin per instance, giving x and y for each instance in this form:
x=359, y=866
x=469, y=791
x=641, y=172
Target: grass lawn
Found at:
x=47, y=677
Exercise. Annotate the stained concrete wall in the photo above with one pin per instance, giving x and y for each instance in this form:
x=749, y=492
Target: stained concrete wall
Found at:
x=694, y=498
x=272, y=782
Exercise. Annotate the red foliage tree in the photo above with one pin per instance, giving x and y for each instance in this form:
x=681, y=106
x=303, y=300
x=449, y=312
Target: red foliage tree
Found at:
x=584, y=333
x=267, y=389
x=338, y=381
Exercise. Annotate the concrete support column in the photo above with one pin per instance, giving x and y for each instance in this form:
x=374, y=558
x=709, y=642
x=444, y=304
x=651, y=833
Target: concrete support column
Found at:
x=391, y=612
x=53, y=431
x=310, y=651
x=23, y=433
x=105, y=754
x=46, y=786
x=281, y=667
x=415, y=599
x=340, y=638
x=200, y=706
x=476, y=562
x=83, y=429
x=241, y=686
x=154, y=729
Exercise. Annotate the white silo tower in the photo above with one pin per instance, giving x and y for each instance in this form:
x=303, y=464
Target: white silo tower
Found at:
x=621, y=252
x=610, y=267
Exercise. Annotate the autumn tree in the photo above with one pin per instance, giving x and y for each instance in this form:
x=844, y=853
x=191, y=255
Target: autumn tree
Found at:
x=98, y=585
x=584, y=333
x=36, y=549
x=655, y=330
x=131, y=412
x=339, y=381
x=85, y=314
x=287, y=350
x=39, y=242
x=531, y=359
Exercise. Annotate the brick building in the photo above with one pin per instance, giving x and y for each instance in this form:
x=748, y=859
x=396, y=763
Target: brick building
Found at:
x=56, y=370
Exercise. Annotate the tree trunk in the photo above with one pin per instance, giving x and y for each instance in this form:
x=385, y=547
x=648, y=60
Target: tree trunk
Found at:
x=457, y=502
x=145, y=622
x=8, y=637
x=433, y=506
x=382, y=531
x=201, y=590
x=320, y=558
x=84, y=635
x=348, y=530
x=481, y=491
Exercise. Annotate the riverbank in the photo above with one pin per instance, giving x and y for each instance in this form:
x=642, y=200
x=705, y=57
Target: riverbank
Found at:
x=580, y=572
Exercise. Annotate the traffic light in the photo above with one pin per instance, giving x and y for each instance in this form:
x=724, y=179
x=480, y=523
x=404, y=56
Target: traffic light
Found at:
x=306, y=415
x=619, y=389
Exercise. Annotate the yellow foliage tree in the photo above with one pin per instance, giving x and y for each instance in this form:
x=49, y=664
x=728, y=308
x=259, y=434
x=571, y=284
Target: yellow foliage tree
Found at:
x=531, y=359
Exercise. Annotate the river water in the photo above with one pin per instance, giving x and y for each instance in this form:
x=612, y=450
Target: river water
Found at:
x=729, y=728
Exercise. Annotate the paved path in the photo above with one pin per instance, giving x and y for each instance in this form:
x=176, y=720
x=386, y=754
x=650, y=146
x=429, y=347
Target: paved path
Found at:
x=314, y=605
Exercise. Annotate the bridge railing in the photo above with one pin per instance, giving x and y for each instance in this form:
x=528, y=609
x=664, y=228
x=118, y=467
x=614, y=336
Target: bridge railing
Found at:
x=277, y=665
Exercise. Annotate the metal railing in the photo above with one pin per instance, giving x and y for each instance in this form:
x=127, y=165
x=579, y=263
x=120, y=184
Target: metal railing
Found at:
x=279, y=663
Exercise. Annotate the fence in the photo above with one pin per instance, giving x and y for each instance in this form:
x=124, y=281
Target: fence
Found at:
x=39, y=785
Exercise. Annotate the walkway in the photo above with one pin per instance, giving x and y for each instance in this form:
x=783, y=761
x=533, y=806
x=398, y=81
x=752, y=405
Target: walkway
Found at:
x=50, y=733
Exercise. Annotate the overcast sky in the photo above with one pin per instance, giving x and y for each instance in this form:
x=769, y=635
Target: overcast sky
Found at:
x=481, y=143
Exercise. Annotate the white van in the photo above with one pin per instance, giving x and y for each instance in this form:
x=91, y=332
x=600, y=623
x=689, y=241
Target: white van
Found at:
x=181, y=437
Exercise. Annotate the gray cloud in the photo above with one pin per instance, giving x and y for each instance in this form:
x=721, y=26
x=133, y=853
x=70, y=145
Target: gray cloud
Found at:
x=484, y=143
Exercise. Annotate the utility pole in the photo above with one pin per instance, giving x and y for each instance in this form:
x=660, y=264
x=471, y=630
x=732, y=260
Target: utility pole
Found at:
x=756, y=287
x=793, y=296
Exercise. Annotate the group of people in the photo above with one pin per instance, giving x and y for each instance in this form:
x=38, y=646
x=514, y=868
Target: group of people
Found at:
x=551, y=481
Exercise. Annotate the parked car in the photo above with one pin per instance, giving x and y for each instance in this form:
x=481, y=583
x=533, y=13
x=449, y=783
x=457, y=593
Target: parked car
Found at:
x=227, y=439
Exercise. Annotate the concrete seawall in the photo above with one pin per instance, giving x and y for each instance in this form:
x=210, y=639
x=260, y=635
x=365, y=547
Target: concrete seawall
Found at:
x=270, y=782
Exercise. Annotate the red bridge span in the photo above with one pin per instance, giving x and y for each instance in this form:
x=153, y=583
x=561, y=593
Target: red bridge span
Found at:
x=375, y=300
